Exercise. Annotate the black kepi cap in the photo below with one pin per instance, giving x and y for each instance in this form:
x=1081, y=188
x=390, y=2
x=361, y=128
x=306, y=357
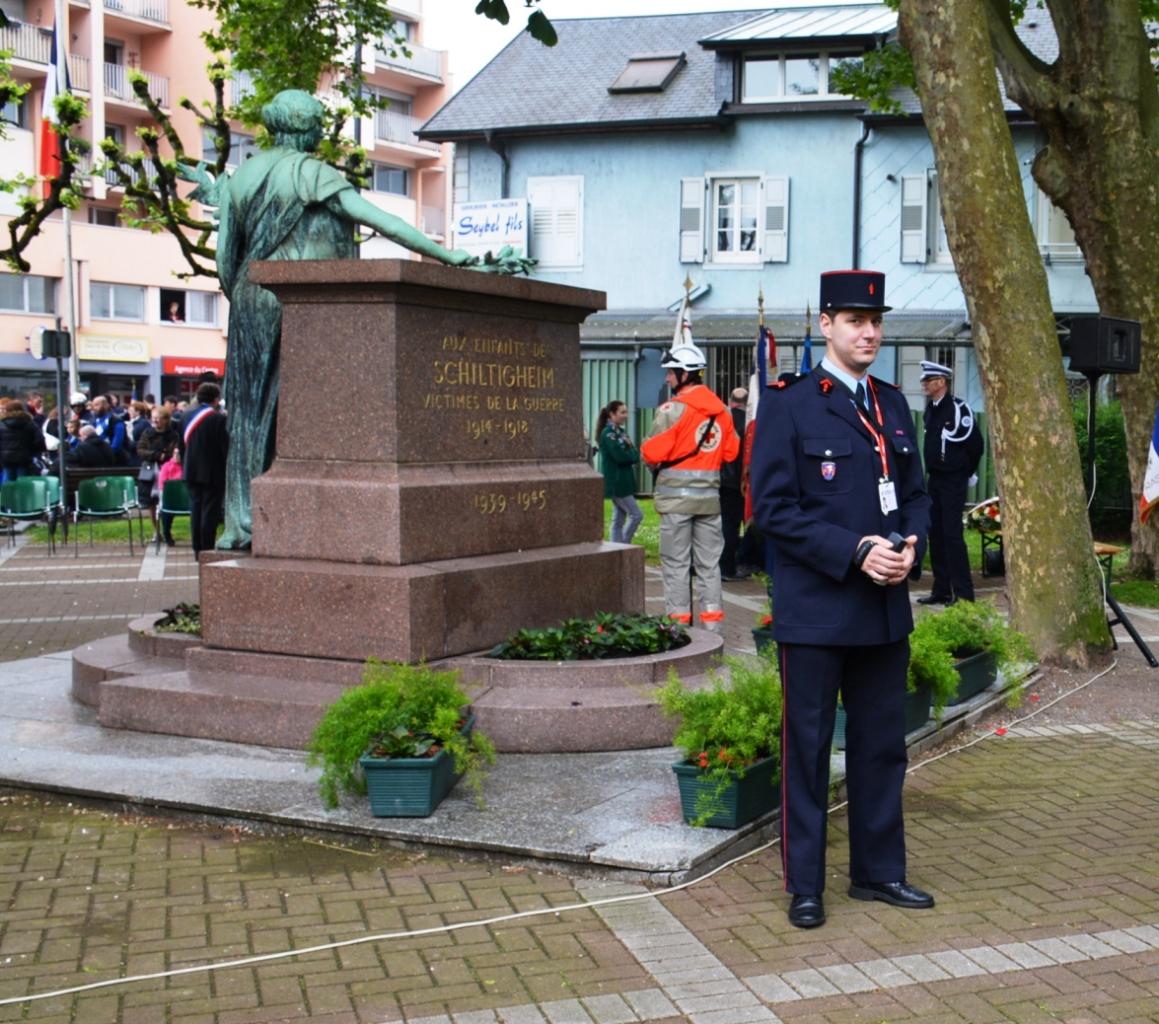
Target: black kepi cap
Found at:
x=853, y=289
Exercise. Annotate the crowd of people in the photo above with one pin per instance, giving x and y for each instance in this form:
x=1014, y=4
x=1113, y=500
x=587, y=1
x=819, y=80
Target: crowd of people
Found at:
x=103, y=432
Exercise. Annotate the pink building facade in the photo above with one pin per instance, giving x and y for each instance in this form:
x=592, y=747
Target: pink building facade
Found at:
x=140, y=327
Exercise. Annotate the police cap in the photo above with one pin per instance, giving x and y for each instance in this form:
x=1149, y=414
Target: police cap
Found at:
x=853, y=289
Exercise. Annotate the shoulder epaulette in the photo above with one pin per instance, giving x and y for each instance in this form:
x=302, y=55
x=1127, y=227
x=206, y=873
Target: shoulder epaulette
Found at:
x=784, y=382
x=886, y=383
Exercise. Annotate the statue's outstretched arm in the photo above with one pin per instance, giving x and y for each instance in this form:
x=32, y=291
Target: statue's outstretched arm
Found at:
x=505, y=261
x=208, y=191
x=397, y=230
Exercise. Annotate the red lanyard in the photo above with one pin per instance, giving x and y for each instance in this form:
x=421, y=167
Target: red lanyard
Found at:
x=878, y=436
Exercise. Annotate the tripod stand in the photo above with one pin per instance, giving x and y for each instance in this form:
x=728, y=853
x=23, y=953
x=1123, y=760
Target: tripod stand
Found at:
x=1120, y=617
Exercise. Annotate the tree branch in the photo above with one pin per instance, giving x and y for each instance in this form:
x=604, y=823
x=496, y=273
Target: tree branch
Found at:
x=1028, y=80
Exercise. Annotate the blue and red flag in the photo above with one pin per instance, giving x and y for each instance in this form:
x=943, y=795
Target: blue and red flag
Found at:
x=50, y=144
x=1150, y=496
x=807, y=349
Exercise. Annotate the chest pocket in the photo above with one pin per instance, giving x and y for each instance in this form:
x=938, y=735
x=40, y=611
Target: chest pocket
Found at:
x=826, y=465
x=904, y=449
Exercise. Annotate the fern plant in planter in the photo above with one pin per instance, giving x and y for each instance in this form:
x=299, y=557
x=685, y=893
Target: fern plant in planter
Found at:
x=967, y=634
x=730, y=740
x=404, y=734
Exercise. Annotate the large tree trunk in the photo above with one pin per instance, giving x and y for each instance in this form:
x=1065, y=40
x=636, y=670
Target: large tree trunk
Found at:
x=1099, y=107
x=1055, y=591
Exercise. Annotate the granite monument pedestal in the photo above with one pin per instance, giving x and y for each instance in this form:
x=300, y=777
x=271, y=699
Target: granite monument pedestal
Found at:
x=429, y=496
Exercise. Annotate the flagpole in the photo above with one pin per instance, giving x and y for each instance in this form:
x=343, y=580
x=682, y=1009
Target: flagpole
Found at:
x=60, y=9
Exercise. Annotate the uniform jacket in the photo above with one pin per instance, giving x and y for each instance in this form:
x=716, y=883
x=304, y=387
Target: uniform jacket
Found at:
x=692, y=487
x=618, y=456
x=953, y=442
x=20, y=440
x=205, y=450
x=732, y=470
x=815, y=495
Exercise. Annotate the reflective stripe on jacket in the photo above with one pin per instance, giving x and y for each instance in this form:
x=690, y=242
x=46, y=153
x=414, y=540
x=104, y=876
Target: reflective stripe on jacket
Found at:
x=692, y=486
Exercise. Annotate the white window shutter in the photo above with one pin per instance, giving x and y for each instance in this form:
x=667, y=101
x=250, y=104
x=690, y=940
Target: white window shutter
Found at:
x=775, y=236
x=692, y=193
x=556, y=221
x=914, y=208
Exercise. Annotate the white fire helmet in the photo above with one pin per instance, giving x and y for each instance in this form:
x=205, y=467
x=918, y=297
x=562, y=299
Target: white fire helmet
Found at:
x=684, y=356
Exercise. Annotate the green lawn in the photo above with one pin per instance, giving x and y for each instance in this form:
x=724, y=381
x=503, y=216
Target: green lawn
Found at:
x=111, y=532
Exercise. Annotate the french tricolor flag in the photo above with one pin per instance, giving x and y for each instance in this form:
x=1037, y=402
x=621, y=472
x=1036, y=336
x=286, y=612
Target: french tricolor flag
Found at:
x=1150, y=496
x=50, y=145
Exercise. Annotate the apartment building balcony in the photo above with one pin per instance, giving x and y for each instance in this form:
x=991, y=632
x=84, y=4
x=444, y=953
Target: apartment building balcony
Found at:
x=422, y=62
x=143, y=15
x=118, y=86
x=392, y=128
x=78, y=73
x=434, y=221
x=28, y=44
x=239, y=87
x=31, y=45
x=113, y=180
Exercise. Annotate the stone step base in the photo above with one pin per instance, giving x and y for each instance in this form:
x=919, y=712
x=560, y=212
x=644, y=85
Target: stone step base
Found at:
x=112, y=657
x=568, y=721
x=259, y=710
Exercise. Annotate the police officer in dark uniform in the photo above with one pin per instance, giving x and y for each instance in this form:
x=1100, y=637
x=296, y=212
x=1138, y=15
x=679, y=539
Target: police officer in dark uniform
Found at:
x=952, y=451
x=837, y=490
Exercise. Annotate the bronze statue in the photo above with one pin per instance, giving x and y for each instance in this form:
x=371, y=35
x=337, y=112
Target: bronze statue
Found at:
x=284, y=204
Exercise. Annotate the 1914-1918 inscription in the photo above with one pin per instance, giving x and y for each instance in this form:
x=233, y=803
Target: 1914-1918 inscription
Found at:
x=503, y=385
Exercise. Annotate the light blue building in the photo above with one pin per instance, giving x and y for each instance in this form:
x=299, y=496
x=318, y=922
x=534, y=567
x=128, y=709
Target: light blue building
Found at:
x=711, y=146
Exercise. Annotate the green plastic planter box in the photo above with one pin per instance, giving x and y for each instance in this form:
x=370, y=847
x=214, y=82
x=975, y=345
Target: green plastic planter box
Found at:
x=762, y=638
x=917, y=708
x=409, y=787
x=742, y=801
x=975, y=673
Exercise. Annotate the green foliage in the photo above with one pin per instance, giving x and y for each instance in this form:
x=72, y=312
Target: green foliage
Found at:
x=726, y=727
x=397, y=711
x=607, y=635
x=182, y=618
x=875, y=77
x=964, y=628
x=538, y=24
x=1113, y=508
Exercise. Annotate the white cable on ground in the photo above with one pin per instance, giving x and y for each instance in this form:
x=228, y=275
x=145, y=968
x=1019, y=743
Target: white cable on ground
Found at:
x=439, y=929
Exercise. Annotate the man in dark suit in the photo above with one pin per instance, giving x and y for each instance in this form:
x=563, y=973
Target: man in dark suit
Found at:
x=92, y=451
x=731, y=495
x=835, y=473
x=204, y=447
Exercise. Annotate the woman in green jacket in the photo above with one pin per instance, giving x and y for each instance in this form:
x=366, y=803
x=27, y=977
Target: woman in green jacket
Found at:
x=618, y=457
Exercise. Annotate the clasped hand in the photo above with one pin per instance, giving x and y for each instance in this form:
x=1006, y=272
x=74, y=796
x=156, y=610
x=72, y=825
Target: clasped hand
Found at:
x=884, y=565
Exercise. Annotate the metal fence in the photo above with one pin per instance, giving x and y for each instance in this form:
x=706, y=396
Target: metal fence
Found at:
x=391, y=126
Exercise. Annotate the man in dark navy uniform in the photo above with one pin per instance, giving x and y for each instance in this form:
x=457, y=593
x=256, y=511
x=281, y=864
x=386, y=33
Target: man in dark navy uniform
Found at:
x=952, y=451
x=835, y=473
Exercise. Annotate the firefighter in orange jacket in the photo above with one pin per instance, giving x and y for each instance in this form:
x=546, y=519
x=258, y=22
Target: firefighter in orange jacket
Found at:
x=690, y=437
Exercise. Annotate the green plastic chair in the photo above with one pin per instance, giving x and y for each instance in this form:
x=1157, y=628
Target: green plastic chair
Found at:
x=26, y=500
x=129, y=488
x=101, y=497
x=174, y=502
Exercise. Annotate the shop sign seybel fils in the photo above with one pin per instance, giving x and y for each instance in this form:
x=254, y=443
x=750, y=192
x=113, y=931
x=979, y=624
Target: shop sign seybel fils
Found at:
x=489, y=225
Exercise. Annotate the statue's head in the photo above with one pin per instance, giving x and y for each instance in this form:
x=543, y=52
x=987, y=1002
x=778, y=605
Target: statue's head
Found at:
x=294, y=120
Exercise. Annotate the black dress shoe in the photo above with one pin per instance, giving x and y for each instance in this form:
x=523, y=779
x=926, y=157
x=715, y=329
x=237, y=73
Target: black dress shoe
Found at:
x=935, y=599
x=806, y=911
x=896, y=894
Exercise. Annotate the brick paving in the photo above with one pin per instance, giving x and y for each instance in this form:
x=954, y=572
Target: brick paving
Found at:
x=1042, y=847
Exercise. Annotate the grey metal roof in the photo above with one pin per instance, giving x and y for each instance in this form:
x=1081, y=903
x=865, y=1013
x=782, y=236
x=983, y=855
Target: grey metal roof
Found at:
x=803, y=23
x=532, y=86
x=724, y=326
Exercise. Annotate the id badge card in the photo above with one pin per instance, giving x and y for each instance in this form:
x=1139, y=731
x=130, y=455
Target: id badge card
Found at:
x=887, y=495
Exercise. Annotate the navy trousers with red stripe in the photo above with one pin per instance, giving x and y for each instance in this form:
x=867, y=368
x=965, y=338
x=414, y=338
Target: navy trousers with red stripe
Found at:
x=871, y=681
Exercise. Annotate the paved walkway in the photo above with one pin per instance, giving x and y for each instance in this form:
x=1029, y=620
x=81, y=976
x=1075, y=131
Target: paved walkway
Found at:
x=1042, y=846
